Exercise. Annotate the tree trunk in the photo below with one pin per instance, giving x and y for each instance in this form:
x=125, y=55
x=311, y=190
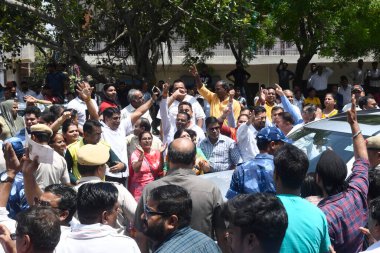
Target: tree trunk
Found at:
x=88, y=69
x=145, y=65
x=302, y=63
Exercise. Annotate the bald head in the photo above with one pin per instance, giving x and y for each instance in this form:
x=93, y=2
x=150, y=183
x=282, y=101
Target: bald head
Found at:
x=181, y=153
x=289, y=95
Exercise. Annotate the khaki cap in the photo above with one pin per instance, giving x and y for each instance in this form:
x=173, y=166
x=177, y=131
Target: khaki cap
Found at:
x=41, y=128
x=93, y=155
x=373, y=142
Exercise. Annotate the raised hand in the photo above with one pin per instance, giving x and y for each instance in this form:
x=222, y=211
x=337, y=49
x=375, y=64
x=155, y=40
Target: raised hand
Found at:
x=279, y=90
x=179, y=93
x=30, y=99
x=66, y=115
x=251, y=118
x=165, y=90
x=29, y=166
x=11, y=161
x=226, y=111
x=193, y=70
x=231, y=93
x=351, y=114
x=84, y=92
x=263, y=95
x=6, y=241
x=138, y=147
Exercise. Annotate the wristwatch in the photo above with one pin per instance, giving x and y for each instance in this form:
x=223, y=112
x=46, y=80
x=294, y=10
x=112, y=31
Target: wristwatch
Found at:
x=4, y=178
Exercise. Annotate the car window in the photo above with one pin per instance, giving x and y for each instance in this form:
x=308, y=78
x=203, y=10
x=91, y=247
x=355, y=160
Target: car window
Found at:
x=373, y=120
x=314, y=141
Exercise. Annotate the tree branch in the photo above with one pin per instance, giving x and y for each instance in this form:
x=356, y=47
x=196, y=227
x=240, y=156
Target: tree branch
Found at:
x=34, y=10
x=42, y=38
x=110, y=45
x=43, y=45
x=196, y=18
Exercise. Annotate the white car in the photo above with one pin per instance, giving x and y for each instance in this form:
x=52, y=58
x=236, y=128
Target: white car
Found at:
x=317, y=136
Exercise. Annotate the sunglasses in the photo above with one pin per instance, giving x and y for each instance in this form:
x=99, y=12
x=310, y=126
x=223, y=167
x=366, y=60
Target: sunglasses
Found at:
x=149, y=212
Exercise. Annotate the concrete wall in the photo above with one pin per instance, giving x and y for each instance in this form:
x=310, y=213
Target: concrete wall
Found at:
x=261, y=73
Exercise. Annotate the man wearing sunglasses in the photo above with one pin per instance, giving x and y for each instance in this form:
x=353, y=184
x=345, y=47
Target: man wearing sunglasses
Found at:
x=166, y=221
x=206, y=197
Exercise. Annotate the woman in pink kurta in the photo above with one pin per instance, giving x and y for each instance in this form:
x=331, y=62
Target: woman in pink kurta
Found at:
x=146, y=164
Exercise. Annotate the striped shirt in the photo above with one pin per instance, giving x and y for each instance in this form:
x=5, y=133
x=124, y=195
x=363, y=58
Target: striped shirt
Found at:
x=222, y=155
x=348, y=210
x=188, y=240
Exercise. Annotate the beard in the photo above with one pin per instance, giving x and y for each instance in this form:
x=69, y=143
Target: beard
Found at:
x=154, y=231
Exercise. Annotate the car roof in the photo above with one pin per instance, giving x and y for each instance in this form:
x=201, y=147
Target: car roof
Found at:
x=369, y=122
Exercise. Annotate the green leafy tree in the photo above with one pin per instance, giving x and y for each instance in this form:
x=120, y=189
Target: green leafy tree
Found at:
x=144, y=30
x=328, y=28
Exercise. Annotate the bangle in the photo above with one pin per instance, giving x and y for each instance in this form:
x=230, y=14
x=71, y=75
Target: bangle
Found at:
x=356, y=134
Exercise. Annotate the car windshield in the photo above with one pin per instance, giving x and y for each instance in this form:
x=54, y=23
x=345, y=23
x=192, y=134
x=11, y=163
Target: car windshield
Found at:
x=314, y=141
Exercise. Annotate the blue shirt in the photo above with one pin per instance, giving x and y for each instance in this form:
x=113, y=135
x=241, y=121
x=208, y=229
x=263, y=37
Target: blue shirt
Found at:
x=17, y=199
x=253, y=176
x=307, y=230
x=188, y=240
x=221, y=155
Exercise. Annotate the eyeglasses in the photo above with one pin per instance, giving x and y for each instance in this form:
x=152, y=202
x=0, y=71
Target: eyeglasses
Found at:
x=214, y=129
x=39, y=202
x=149, y=212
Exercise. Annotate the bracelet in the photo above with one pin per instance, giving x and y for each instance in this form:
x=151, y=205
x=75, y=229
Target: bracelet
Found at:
x=356, y=135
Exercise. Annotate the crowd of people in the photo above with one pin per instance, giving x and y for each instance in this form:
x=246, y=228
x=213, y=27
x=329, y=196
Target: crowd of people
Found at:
x=125, y=168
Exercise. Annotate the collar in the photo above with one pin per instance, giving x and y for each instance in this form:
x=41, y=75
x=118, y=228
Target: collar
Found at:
x=220, y=139
x=264, y=156
x=80, y=100
x=331, y=199
x=177, y=233
x=180, y=171
x=267, y=104
x=89, y=178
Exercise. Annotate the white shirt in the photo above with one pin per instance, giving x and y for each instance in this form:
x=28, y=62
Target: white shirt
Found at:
x=319, y=82
x=299, y=103
x=116, y=139
x=126, y=201
x=8, y=222
x=56, y=173
x=246, y=142
x=80, y=106
x=198, y=112
x=130, y=109
x=95, y=238
x=348, y=107
x=346, y=93
x=374, y=73
x=358, y=76
x=169, y=130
